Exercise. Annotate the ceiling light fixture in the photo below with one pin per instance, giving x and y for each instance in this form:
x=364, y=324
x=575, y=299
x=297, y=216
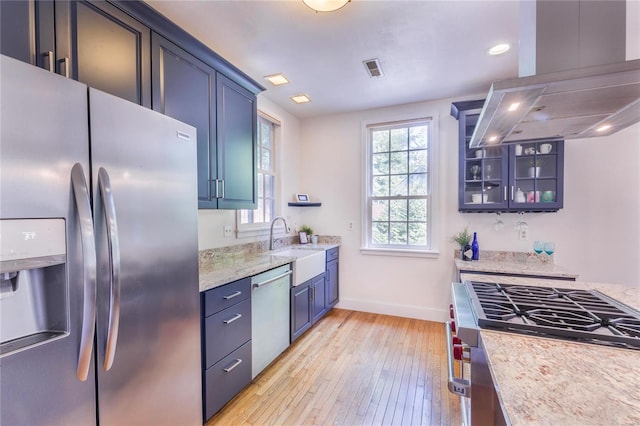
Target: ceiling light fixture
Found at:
x=325, y=5
x=499, y=49
x=603, y=128
x=276, y=79
x=301, y=98
x=514, y=106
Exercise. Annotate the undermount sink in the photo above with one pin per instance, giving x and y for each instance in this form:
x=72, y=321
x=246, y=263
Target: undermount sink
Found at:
x=308, y=263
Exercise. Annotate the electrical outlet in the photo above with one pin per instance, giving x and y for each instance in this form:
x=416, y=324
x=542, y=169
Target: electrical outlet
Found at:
x=523, y=233
x=350, y=226
x=228, y=231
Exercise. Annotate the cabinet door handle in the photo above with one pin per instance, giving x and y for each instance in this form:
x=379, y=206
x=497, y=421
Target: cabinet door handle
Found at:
x=231, y=296
x=215, y=184
x=51, y=61
x=505, y=192
x=236, y=363
x=65, y=66
x=235, y=318
x=512, y=192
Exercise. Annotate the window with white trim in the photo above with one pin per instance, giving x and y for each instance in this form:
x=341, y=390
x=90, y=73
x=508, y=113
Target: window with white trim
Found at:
x=262, y=216
x=398, y=186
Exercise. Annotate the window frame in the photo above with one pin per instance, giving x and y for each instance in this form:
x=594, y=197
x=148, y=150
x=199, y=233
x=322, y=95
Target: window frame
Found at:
x=244, y=230
x=367, y=247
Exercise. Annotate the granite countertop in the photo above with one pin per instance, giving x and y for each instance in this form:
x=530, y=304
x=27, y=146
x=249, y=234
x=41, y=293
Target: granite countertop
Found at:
x=550, y=381
x=515, y=265
x=224, y=268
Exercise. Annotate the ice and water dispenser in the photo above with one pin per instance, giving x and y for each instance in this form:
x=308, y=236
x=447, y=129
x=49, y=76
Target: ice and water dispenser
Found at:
x=33, y=284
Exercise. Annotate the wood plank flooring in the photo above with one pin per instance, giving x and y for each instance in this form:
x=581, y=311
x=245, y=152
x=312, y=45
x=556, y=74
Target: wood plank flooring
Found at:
x=353, y=368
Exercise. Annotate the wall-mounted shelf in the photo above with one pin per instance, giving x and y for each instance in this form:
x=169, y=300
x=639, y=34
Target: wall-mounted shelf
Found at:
x=306, y=204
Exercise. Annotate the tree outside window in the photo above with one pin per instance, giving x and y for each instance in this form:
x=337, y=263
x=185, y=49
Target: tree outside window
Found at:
x=398, y=190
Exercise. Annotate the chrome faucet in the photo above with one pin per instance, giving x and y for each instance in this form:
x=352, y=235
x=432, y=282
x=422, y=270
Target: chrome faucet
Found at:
x=286, y=229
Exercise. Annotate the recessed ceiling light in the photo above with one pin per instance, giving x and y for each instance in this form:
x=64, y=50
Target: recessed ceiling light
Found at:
x=301, y=98
x=603, y=128
x=276, y=79
x=514, y=106
x=499, y=49
x=493, y=138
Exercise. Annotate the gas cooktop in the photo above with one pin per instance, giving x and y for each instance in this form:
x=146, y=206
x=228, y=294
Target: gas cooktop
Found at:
x=581, y=315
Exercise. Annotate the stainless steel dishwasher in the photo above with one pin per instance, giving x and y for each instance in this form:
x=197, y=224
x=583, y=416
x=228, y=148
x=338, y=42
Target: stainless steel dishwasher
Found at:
x=269, y=316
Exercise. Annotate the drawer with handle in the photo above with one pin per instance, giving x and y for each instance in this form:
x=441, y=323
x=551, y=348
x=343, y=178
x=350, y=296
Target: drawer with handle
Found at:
x=226, y=378
x=227, y=295
x=227, y=330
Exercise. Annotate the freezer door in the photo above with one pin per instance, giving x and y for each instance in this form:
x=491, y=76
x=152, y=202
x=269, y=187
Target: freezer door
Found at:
x=43, y=122
x=145, y=210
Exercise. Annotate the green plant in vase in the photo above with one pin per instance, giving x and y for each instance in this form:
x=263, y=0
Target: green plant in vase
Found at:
x=310, y=236
x=463, y=238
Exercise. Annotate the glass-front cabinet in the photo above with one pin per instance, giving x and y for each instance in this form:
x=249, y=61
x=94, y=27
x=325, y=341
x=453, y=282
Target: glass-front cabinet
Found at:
x=525, y=176
x=536, y=176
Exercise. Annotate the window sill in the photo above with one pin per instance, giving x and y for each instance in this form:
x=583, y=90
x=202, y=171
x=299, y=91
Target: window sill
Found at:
x=429, y=254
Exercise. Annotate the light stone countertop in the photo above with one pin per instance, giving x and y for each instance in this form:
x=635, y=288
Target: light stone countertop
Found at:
x=514, y=267
x=229, y=267
x=543, y=381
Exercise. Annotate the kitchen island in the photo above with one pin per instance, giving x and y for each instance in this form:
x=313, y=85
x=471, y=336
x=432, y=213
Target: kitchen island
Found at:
x=549, y=381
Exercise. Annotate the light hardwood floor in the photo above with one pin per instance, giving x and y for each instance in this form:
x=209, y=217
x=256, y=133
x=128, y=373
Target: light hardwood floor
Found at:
x=353, y=368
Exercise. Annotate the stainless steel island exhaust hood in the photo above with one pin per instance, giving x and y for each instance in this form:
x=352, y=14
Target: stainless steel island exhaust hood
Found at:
x=583, y=87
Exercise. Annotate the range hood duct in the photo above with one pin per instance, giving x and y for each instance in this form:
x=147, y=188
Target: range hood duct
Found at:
x=582, y=86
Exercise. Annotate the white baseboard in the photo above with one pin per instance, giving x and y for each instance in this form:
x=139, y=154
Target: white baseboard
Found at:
x=407, y=311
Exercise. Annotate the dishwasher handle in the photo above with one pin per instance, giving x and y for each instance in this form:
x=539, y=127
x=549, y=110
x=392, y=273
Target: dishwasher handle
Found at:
x=270, y=280
x=456, y=385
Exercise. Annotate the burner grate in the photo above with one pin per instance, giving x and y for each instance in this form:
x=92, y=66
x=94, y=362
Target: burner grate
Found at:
x=555, y=312
x=564, y=319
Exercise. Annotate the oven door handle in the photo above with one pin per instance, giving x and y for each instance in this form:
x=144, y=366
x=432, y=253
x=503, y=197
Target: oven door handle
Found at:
x=456, y=385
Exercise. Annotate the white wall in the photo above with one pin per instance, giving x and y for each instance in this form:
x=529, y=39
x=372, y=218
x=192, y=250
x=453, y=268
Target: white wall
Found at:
x=596, y=233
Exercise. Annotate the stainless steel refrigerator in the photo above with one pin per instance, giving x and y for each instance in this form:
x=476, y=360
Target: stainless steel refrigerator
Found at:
x=99, y=300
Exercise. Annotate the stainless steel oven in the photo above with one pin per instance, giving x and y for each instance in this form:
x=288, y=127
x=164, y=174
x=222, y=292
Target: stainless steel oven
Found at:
x=586, y=316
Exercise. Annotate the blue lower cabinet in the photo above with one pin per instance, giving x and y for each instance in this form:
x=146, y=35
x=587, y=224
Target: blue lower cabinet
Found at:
x=300, y=309
x=226, y=378
x=308, y=305
x=227, y=330
x=226, y=343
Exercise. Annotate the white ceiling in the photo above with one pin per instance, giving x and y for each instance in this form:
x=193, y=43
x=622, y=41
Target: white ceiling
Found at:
x=428, y=49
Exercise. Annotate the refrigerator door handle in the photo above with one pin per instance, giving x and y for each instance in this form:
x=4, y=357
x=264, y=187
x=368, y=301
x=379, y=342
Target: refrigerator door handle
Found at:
x=83, y=208
x=104, y=185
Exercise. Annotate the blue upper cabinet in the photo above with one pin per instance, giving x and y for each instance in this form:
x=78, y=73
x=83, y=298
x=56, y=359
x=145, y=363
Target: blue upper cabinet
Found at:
x=527, y=176
x=92, y=42
x=237, y=163
x=129, y=50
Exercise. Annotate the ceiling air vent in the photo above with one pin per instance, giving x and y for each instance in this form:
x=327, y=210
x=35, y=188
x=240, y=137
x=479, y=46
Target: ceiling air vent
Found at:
x=373, y=68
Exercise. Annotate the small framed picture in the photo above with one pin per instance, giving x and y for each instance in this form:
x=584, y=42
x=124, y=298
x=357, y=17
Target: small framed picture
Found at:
x=302, y=198
x=303, y=238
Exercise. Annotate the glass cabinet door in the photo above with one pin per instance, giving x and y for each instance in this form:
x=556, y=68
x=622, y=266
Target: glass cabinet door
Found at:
x=484, y=178
x=536, y=175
